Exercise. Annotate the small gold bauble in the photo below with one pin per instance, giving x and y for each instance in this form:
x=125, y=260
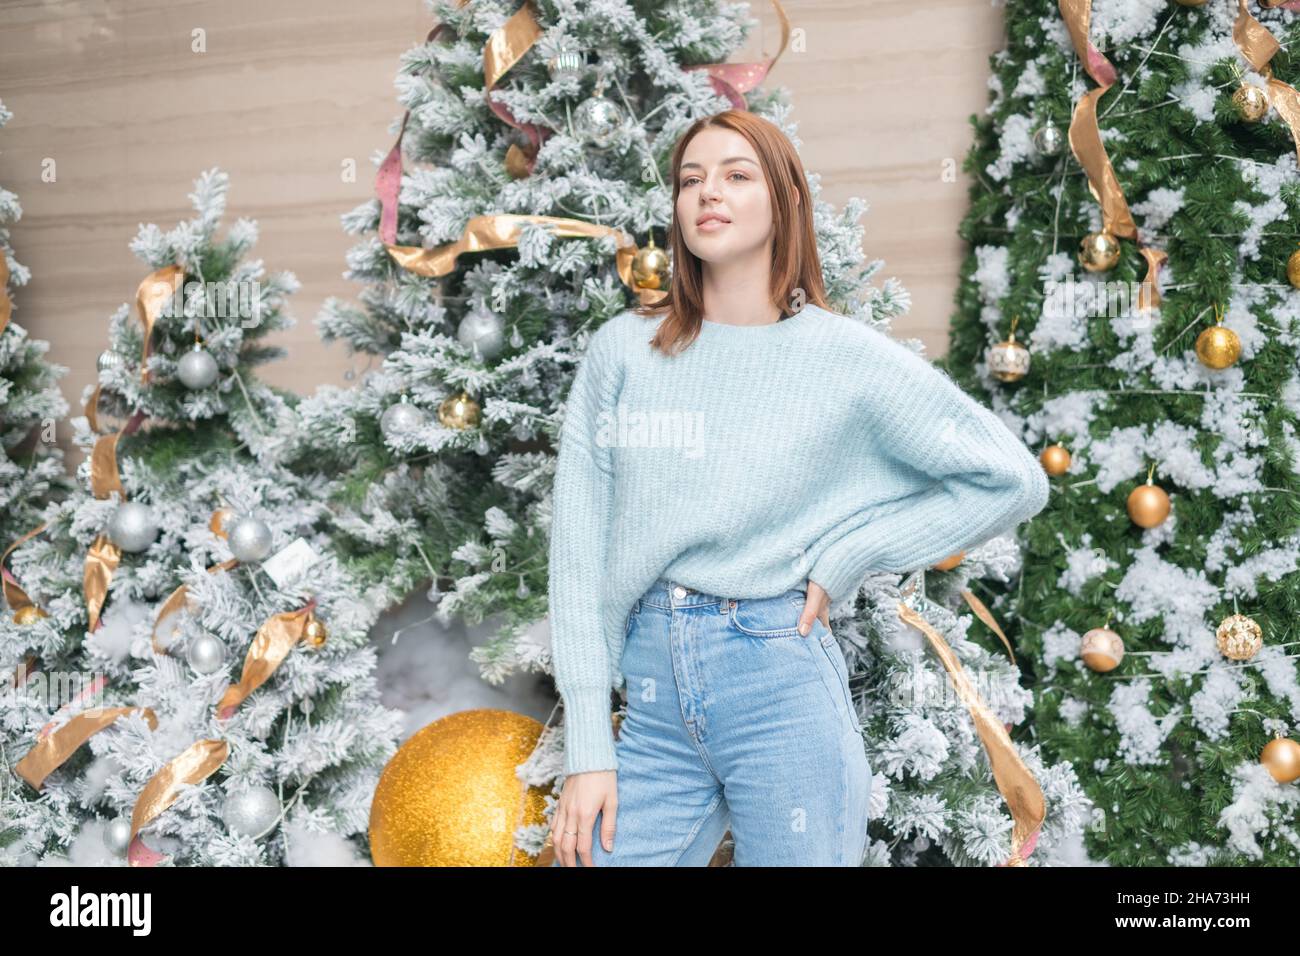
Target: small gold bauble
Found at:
x=950, y=562
x=1218, y=347
x=1055, y=460
x=1148, y=505
x=650, y=267
x=1102, y=649
x=1098, y=251
x=29, y=613
x=450, y=797
x=1008, y=360
x=1251, y=103
x=314, y=633
x=458, y=411
x=1239, y=637
x=1293, y=269
x=1281, y=756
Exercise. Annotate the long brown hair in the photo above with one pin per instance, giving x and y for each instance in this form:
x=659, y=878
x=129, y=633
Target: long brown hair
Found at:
x=796, y=266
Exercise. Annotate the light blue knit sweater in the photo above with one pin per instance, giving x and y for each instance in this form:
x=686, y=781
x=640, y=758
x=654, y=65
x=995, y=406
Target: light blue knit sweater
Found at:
x=760, y=457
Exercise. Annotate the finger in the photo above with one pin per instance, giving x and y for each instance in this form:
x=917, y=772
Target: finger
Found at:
x=806, y=617
x=557, y=830
x=608, y=822
x=584, y=839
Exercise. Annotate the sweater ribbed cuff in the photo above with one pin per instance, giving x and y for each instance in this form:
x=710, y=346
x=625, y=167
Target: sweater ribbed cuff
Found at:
x=588, y=731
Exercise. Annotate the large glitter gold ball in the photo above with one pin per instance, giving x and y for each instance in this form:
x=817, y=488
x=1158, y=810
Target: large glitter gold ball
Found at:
x=1239, y=637
x=1098, y=251
x=1281, y=756
x=1293, y=269
x=650, y=267
x=1148, y=505
x=1055, y=460
x=1218, y=347
x=450, y=797
x=29, y=613
x=458, y=411
x=1102, y=649
x=1251, y=103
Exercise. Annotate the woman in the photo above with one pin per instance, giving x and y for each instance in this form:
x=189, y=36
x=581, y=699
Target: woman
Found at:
x=721, y=483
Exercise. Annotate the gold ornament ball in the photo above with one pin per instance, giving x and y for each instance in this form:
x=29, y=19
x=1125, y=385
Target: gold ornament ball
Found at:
x=1293, y=269
x=1239, y=637
x=1148, y=505
x=314, y=633
x=1055, y=460
x=458, y=411
x=1281, y=756
x=29, y=613
x=950, y=562
x=1008, y=360
x=1251, y=103
x=220, y=518
x=1218, y=347
x=650, y=268
x=450, y=797
x=1098, y=251
x=1102, y=649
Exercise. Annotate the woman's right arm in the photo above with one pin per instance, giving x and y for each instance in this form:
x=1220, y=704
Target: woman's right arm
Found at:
x=582, y=500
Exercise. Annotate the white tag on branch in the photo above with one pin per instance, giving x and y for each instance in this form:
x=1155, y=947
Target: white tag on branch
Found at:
x=290, y=561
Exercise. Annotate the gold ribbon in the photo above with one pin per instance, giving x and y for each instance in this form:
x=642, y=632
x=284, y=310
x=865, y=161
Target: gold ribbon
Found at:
x=15, y=596
x=1017, y=785
x=6, y=304
x=1258, y=45
x=502, y=231
x=53, y=749
x=274, y=640
x=151, y=295
x=985, y=615
x=1085, y=141
x=197, y=762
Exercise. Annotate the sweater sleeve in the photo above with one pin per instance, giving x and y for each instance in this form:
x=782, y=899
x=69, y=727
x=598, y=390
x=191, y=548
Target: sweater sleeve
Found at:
x=582, y=499
x=970, y=477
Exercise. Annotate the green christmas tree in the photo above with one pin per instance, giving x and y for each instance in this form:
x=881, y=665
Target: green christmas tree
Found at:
x=1127, y=197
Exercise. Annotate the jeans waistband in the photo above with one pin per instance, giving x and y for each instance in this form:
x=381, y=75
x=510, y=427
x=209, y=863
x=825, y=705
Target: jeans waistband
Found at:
x=667, y=593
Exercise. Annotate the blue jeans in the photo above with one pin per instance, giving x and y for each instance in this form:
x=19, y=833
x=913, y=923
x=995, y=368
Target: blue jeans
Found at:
x=735, y=720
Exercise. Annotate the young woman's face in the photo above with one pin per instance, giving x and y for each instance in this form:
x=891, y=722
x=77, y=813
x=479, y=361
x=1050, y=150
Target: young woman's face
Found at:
x=723, y=203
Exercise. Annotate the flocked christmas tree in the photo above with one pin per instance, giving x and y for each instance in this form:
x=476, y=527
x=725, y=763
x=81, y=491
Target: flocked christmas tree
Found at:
x=1157, y=604
x=188, y=670
x=31, y=464
x=532, y=192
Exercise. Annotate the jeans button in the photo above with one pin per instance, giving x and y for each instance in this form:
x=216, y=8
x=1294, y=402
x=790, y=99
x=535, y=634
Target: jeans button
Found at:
x=679, y=592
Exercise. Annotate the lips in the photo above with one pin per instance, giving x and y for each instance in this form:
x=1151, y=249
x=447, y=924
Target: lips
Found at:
x=711, y=218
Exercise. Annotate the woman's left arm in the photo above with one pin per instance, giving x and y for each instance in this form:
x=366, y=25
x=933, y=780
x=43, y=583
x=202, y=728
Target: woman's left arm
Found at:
x=971, y=476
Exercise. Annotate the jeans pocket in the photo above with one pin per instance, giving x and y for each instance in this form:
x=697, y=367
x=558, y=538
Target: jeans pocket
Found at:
x=774, y=617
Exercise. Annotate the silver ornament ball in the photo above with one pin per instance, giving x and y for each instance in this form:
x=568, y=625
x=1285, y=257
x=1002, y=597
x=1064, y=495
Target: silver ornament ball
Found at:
x=249, y=539
x=206, y=654
x=132, y=527
x=484, y=331
x=1049, y=140
x=251, y=812
x=117, y=835
x=197, y=368
x=402, y=418
x=598, y=121
x=108, y=359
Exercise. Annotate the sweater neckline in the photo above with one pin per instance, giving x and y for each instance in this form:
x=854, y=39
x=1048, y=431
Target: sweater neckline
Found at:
x=731, y=331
